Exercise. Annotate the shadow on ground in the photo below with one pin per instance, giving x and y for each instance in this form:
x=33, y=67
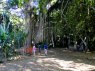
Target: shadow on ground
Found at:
x=56, y=60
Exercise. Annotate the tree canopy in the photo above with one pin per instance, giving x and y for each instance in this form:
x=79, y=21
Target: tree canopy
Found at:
x=50, y=18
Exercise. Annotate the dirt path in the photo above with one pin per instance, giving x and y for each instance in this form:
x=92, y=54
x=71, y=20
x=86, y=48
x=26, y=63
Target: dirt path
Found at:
x=57, y=60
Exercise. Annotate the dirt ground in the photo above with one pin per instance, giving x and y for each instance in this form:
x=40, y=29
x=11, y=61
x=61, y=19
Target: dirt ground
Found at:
x=58, y=59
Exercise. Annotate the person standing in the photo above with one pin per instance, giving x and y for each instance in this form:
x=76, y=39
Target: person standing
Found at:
x=45, y=48
x=39, y=48
x=34, y=49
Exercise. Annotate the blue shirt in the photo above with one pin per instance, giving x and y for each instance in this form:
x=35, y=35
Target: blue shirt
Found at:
x=45, y=46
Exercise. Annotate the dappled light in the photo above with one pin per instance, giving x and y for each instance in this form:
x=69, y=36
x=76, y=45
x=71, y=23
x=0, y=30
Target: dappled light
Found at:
x=47, y=35
x=3, y=66
x=67, y=65
x=58, y=62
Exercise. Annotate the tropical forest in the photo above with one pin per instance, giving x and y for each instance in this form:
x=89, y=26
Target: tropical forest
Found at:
x=47, y=35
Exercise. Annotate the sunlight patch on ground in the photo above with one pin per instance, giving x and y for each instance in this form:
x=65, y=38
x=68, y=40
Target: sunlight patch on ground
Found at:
x=41, y=56
x=14, y=64
x=39, y=61
x=2, y=66
x=93, y=57
x=32, y=63
x=66, y=65
x=27, y=70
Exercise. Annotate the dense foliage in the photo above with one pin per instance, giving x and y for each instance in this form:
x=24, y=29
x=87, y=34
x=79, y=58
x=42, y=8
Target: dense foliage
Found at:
x=12, y=35
x=77, y=19
x=66, y=17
